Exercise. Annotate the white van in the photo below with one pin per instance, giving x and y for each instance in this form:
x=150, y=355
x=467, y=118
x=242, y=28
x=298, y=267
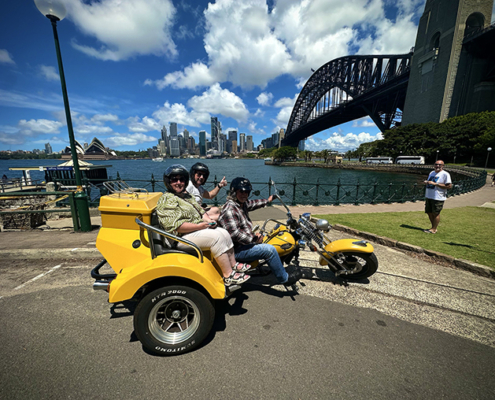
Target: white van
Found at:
x=410, y=160
x=379, y=160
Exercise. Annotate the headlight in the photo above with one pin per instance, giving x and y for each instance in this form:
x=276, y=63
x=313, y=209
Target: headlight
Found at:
x=323, y=225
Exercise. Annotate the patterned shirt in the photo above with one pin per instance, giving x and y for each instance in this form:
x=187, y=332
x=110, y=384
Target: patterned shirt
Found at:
x=235, y=219
x=173, y=211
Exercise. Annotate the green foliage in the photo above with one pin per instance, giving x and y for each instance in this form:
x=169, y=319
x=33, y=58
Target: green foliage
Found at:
x=132, y=154
x=285, y=153
x=266, y=152
x=461, y=137
x=28, y=156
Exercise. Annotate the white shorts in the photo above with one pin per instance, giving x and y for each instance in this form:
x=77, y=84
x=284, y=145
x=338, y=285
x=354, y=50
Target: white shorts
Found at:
x=217, y=240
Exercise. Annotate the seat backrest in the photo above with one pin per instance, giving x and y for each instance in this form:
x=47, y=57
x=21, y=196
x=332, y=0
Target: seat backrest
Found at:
x=163, y=245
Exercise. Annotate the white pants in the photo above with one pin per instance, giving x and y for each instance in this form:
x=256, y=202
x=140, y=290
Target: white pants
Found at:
x=217, y=240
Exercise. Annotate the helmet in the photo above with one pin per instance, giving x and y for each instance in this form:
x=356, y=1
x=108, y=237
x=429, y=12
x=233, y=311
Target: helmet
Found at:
x=199, y=167
x=176, y=169
x=240, y=184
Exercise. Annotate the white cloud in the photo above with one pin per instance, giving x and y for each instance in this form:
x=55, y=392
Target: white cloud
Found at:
x=220, y=101
x=249, y=46
x=194, y=76
x=340, y=142
x=178, y=113
x=145, y=125
x=286, y=105
x=365, y=122
x=40, y=126
x=10, y=139
x=5, y=57
x=126, y=139
x=124, y=29
x=49, y=73
x=101, y=118
x=92, y=130
x=264, y=99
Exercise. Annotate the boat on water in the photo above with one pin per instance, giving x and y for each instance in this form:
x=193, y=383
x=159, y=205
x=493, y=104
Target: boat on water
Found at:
x=268, y=159
x=157, y=159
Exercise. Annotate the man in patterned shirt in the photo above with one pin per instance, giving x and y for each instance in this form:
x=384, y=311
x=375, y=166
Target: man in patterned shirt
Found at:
x=249, y=246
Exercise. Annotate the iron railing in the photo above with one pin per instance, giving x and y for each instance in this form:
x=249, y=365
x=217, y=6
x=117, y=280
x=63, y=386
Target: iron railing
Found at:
x=293, y=193
x=319, y=193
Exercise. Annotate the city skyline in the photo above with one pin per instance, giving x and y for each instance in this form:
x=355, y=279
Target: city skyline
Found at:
x=130, y=73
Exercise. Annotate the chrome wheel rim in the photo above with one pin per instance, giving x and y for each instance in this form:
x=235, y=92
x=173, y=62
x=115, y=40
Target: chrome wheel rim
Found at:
x=174, y=320
x=355, y=266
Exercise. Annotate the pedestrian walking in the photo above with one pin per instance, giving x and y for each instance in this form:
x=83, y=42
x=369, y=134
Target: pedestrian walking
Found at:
x=437, y=184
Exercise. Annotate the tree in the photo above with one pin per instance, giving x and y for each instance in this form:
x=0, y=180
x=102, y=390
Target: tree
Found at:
x=285, y=153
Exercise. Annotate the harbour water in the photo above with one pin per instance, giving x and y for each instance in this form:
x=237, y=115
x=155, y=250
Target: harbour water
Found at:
x=254, y=170
x=313, y=185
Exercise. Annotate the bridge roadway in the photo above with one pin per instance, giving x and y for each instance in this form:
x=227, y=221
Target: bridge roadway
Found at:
x=415, y=330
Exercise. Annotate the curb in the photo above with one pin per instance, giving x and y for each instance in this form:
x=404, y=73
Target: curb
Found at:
x=478, y=269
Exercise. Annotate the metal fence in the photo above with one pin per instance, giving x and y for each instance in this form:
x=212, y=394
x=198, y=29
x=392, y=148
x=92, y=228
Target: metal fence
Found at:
x=294, y=193
x=305, y=193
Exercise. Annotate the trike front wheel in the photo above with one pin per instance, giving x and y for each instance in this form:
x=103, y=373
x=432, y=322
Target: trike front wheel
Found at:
x=173, y=320
x=362, y=264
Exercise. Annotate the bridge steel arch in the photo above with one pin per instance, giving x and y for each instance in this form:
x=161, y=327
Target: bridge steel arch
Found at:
x=376, y=85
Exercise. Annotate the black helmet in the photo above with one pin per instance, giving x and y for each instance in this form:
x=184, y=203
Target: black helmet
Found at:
x=240, y=184
x=201, y=168
x=176, y=169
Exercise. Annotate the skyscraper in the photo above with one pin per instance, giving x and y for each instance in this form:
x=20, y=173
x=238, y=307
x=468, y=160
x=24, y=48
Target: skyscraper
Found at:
x=165, y=139
x=162, y=148
x=174, y=146
x=242, y=142
x=214, y=132
x=281, y=135
x=249, y=143
x=173, y=129
x=232, y=137
x=48, y=148
x=202, y=143
x=164, y=133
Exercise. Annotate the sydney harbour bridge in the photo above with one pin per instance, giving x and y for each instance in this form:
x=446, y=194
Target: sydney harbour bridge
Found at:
x=450, y=71
x=349, y=88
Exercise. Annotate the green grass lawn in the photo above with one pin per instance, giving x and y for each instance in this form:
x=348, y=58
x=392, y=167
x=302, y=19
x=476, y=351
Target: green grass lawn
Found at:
x=467, y=233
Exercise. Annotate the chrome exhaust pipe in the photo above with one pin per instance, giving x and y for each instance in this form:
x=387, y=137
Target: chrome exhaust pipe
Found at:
x=101, y=285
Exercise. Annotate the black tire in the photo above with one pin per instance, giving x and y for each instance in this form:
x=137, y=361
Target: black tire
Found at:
x=173, y=320
x=368, y=262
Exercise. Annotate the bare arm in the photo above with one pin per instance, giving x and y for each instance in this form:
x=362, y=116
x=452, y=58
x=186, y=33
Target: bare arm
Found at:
x=188, y=227
x=212, y=193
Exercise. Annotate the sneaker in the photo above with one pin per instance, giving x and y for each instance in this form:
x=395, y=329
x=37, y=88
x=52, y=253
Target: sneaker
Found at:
x=294, y=275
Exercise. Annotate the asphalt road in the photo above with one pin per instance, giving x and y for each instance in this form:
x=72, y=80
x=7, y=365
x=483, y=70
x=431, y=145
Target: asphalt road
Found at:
x=61, y=339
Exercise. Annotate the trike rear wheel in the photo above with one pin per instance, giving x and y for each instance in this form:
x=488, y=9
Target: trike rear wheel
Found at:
x=173, y=320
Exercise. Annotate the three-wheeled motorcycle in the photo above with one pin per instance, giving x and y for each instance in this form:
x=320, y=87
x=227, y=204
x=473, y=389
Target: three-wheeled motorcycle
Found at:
x=176, y=289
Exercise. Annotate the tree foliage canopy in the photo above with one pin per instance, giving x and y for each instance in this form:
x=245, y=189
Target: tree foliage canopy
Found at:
x=461, y=137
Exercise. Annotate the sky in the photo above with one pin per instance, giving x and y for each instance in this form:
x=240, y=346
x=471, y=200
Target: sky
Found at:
x=133, y=66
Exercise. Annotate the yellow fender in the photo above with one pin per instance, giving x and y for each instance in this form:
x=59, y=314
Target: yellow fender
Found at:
x=131, y=279
x=346, y=245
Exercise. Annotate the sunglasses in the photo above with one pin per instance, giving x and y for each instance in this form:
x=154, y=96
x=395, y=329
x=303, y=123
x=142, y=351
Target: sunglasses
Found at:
x=174, y=179
x=438, y=165
x=201, y=174
x=244, y=191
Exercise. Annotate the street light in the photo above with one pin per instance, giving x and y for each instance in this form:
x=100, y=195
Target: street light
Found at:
x=55, y=11
x=487, y=155
x=436, y=159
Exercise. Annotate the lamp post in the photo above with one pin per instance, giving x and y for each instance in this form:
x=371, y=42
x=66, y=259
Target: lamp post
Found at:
x=55, y=11
x=436, y=159
x=487, y=155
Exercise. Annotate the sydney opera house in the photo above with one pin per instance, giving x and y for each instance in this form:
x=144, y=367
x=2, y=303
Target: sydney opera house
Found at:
x=95, y=151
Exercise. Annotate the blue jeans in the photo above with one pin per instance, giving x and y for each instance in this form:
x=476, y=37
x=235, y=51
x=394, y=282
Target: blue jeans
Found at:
x=252, y=252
